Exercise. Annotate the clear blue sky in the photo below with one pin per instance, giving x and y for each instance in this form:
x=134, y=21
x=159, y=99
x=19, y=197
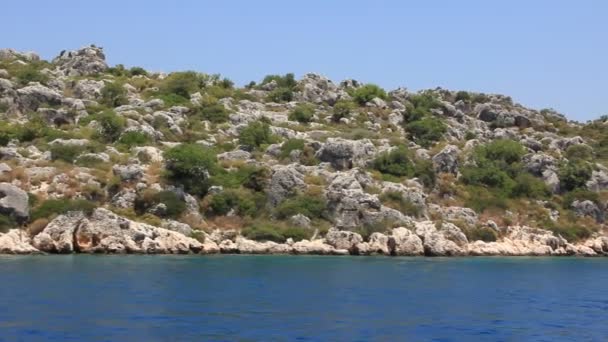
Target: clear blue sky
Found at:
x=543, y=53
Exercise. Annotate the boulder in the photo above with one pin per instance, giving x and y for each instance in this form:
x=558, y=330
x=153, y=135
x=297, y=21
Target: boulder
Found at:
x=14, y=202
x=318, y=247
x=447, y=160
x=131, y=172
x=285, y=181
x=341, y=239
x=106, y=232
x=588, y=208
x=88, y=89
x=16, y=241
x=35, y=95
x=404, y=242
x=345, y=154
x=319, y=89
x=379, y=244
x=86, y=61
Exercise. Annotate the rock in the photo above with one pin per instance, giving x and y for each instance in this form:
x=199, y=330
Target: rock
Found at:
x=345, y=154
x=125, y=198
x=88, y=89
x=318, y=247
x=447, y=160
x=589, y=209
x=83, y=62
x=132, y=172
x=35, y=95
x=14, y=202
x=4, y=168
x=219, y=235
x=379, y=244
x=16, y=241
x=246, y=246
x=148, y=154
x=403, y=242
x=70, y=142
x=176, y=226
x=300, y=221
x=341, y=239
x=598, y=181
x=285, y=181
x=234, y=155
x=318, y=89
x=106, y=232
x=448, y=241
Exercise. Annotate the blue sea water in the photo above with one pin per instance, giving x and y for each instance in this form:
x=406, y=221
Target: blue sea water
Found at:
x=302, y=298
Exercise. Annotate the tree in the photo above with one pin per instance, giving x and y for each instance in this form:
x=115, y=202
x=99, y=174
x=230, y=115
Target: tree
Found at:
x=114, y=94
x=190, y=165
x=256, y=134
x=368, y=92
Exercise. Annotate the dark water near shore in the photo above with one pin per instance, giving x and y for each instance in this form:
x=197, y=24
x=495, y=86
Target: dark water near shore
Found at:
x=286, y=298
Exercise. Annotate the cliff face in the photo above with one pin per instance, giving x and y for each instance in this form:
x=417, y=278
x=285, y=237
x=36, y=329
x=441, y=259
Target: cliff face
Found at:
x=194, y=164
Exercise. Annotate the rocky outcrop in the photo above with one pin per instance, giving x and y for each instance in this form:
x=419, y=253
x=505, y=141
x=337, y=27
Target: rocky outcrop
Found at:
x=319, y=89
x=341, y=239
x=83, y=62
x=447, y=160
x=345, y=154
x=14, y=202
x=106, y=232
x=404, y=242
x=16, y=241
x=285, y=181
x=35, y=95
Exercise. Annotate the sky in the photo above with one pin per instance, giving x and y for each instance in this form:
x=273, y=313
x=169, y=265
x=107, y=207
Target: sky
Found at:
x=544, y=54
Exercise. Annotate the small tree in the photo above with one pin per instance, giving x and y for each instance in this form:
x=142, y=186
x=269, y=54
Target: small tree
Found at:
x=397, y=162
x=302, y=113
x=190, y=165
x=368, y=92
x=256, y=134
x=114, y=94
x=111, y=126
x=427, y=130
x=342, y=109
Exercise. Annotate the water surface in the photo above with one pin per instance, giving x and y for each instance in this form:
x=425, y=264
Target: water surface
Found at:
x=306, y=298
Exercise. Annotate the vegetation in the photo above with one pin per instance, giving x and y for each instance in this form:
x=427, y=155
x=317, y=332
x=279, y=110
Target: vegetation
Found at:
x=276, y=233
x=174, y=204
x=114, y=94
x=368, y=92
x=111, y=126
x=310, y=206
x=54, y=207
x=342, y=109
x=302, y=113
x=190, y=165
x=256, y=134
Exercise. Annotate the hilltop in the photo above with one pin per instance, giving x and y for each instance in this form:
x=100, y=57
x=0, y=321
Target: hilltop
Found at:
x=99, y=158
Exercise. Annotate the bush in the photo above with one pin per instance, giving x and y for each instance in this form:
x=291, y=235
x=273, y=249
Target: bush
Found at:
x=6, y=223
x=175, y=204
x=480, y=199
x=30, y=73
x=307, y=205
x=580, y=195
x=286, y=81
x=574, y=175
x=134, y=138
x=420, y=106
x=302, y=113
x=280, y=95
x=463, y=96
x=480, y=233
x=526, y=185
x=569, y=231
x=291, y=145
x=368, y=92
x=269, y=232
x=189, y=165
x=488, y=174
x=395, y=200
x=243, y=202
x=256, y=134
x=579, y=152
x=138, y=71
x=425, y=172
x=111, y=126
x=249, y=176
x=215, y=113
x=54, y=207
x=66, y=153
x=342, y=109
x=396, y=162
x=427, y=130
x=114, y=94
x=180, y=84
x=505, y=151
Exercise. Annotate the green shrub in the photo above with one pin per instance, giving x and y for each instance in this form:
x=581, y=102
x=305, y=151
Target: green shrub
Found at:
x=6, y=223
x=526, y=185
x=505, y=151
x=396, y=162
x=111, y=126
x=175, y=204
x=243, y=202
x=368, y=92
x=569, y=231
x=342, y=109
x=249, y=176
x=134, y=138
x=30, y=73
x=291, y=145
x=420, y=106
x=54, y=207
x=425, y=172
x=488, y=174
x=480, y=233
x=573, y=175
x=270, y=232
x=280, y=95
x=66, y=153
x=114, y=94
x=463, y=96
x=395, y=200
x=138, y=71
x=256, y=134
x=579, y=152
x=580, y=195
x=427, y=130
x=307, y=205
x=215, y=113
x=189, y=165
x=302, y=113
x=286, y=81
x=171, y=100
x=181, y=84
x=480, y=199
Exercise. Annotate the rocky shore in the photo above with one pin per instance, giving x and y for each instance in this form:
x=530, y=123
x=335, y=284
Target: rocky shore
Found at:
x=104, y=232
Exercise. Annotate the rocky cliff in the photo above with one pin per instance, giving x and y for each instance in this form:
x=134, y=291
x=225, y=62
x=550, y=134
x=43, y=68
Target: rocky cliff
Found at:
x=109, y=159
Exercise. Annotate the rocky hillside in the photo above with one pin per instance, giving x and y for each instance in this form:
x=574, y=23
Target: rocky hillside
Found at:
x=99, y=158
